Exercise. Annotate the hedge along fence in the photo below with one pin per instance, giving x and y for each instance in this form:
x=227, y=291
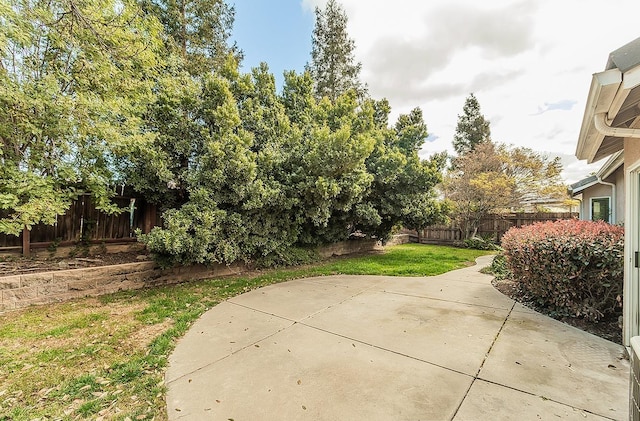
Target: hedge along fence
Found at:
x=575, y=268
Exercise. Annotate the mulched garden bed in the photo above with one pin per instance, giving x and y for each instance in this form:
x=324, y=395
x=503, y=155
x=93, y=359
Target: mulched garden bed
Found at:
x=609, y=329
x=17, y=265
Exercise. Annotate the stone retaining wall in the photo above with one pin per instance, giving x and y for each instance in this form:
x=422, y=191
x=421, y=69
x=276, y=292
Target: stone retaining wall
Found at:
x=19, y=291
x=349, y=247
x=399, y=239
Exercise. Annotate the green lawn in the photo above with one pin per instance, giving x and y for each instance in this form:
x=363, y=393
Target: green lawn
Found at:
x=105, y=357
x=407, y=260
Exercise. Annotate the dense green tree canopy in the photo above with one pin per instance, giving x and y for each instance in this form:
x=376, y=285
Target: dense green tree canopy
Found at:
x=105, y=91
x=74, y=81
x=402, y=191
x=276, y=171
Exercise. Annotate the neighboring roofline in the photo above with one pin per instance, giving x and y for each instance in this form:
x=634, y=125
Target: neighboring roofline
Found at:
x=585, y=183
x=532, y=199
x=614, y=162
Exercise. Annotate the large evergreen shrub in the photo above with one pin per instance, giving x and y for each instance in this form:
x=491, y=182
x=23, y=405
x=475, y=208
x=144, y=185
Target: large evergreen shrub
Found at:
x=574, y=268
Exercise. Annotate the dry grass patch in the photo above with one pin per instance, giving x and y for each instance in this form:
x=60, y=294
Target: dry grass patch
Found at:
x=73, y=361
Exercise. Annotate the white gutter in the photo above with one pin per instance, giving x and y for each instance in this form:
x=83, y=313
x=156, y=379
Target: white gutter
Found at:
x=613, y=199
x=581, y=209
x=600, y=123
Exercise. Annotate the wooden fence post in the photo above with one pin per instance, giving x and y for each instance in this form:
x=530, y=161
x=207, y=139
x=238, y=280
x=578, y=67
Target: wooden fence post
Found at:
x=150, y=217
x=26, y=242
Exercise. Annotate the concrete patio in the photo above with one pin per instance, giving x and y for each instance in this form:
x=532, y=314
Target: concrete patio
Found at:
x=448, y=347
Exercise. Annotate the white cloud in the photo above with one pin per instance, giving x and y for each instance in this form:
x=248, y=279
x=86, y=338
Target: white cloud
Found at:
x=529, y=63
x=312, y=4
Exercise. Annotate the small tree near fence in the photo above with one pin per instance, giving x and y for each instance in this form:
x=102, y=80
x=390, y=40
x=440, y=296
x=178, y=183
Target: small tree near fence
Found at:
x=494, y=178
x=488, y=177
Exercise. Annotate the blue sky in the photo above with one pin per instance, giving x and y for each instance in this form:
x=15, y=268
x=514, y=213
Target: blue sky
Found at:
x=529, y=62
x=277, y=32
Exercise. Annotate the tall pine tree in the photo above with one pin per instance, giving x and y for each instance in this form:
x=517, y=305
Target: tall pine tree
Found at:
x=198, y=30
x=333, y=67
x=472, y=129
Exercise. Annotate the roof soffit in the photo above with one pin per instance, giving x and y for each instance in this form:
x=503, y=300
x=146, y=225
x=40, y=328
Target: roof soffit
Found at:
x=616, y=92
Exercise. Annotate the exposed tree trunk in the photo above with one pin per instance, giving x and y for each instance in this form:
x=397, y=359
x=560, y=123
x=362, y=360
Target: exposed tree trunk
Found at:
x=183, y=16
x=26, y=242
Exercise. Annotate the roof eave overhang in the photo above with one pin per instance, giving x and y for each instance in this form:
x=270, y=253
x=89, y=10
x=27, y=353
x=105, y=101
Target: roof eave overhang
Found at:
x=581, y=189
x=614, y=162
x=606, y=95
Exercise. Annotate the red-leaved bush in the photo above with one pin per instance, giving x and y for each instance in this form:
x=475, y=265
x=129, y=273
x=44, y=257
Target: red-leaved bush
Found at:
x=574, y=268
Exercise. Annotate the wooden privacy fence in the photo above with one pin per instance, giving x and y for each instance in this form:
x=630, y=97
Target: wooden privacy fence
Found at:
x=493, y=226
x=84, y=223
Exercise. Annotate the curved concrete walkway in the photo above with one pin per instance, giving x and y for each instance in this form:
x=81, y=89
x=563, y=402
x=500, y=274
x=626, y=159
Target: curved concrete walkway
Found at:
x=447, y=347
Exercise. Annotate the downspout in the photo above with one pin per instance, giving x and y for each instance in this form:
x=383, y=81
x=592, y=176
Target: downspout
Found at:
x=613, y=198
x=580, y=209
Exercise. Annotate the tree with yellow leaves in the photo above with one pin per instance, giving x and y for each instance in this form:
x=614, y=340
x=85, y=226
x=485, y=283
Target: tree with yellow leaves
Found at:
x=494, y=178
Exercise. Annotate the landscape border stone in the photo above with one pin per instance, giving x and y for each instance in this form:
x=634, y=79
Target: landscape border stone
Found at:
x=19, y=291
